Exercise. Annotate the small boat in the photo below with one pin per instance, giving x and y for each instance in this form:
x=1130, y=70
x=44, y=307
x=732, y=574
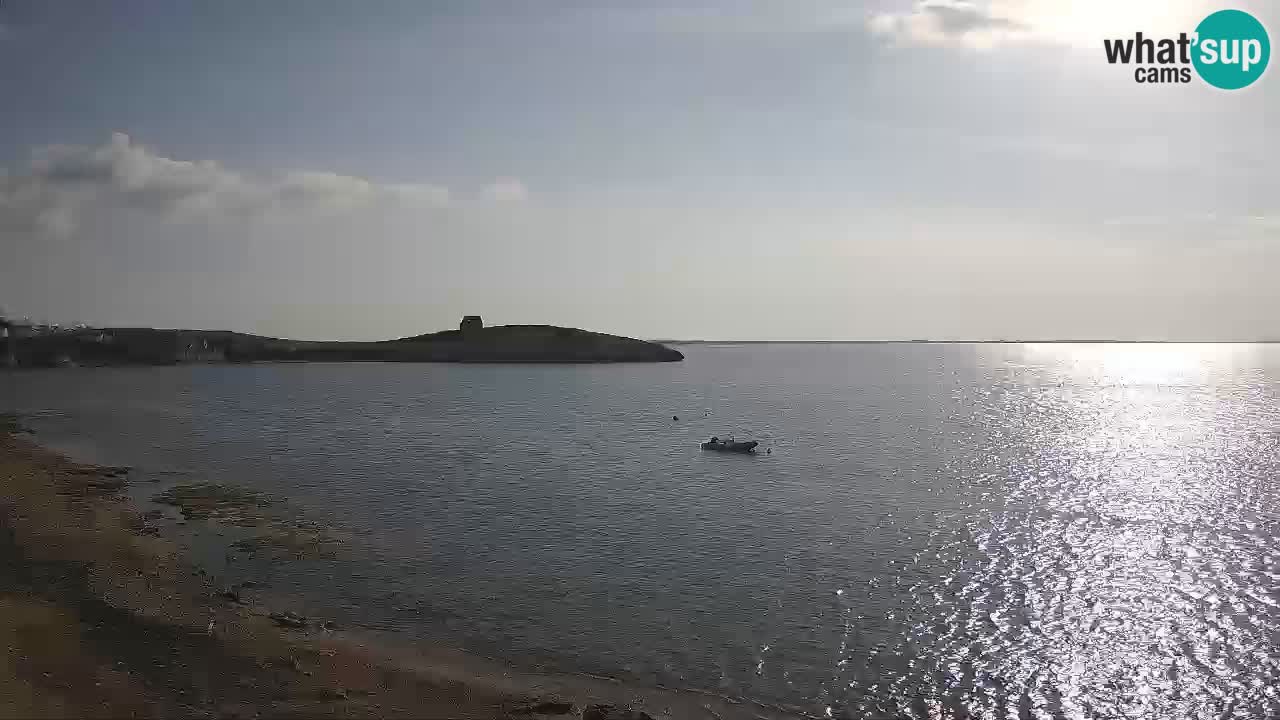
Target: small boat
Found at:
x=730, y=445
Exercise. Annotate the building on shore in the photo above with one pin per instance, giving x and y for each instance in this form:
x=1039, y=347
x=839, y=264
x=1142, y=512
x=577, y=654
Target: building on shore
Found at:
x=470, y=323
x=10, y=332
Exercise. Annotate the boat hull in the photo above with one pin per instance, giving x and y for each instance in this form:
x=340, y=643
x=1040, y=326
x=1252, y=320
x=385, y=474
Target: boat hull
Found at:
x=745, y=448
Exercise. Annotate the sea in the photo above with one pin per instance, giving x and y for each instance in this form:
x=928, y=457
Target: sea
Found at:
x=929, y=530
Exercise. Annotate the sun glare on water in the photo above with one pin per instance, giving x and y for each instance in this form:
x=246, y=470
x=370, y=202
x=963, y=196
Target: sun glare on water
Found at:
x=1141, y=364
x=1128, y=569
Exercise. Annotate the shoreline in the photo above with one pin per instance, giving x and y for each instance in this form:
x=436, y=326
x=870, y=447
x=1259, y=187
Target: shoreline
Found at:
x=106, y=617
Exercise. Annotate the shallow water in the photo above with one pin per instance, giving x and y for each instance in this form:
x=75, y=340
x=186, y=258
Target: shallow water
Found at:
x=1005, y=530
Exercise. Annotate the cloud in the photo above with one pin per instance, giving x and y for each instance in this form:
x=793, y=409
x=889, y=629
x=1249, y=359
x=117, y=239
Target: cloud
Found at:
x=748, y=17
x=63, y=182
x=506, y=190
x=418, y=194
x=948, y=23
x=984, y=24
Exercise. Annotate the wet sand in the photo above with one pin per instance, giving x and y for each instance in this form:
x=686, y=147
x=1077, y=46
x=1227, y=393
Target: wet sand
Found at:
x=102, y=617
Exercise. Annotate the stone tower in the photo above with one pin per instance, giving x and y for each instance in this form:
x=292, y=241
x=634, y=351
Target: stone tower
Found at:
x=470, y=324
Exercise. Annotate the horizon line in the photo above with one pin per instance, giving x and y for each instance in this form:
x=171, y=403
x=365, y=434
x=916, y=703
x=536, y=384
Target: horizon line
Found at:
x=1087, y=341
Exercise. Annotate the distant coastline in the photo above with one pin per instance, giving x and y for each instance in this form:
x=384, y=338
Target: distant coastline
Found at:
x=471, y=343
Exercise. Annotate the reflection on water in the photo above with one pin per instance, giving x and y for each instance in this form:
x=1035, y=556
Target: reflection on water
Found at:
x=1044, y=531
x=1130, y=568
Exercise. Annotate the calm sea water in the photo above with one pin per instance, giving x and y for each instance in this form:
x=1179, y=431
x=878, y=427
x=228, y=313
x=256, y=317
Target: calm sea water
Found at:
x=1010, y=531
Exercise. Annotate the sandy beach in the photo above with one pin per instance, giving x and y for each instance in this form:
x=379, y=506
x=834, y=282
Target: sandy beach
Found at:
x=102, y=616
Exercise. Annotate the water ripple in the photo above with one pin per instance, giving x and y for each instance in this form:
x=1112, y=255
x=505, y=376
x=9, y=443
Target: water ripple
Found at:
x=998, y=531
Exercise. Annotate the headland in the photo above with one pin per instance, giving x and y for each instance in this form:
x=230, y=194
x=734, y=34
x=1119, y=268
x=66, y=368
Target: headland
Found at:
x=472, y=342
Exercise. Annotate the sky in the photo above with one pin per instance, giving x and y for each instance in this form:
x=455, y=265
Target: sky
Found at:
x=736, y=169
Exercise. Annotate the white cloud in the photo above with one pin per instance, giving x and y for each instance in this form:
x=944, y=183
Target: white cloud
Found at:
x=748, y=17
x=63, y=182
x=1080, y=23
x=947, y=23
x=506, y=190
x=418, y=194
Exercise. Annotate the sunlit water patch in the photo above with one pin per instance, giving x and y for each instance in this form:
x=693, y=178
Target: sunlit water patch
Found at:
x=1129, y=567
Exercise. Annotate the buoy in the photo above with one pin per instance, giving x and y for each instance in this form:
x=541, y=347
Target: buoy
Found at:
x=674, y=417
x=769, y=451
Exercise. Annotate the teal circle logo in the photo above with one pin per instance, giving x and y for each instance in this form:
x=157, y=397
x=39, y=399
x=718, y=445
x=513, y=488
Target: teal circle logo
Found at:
x=1232, y=49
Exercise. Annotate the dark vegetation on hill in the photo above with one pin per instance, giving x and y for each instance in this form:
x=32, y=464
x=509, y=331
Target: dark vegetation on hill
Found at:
x=500, y=344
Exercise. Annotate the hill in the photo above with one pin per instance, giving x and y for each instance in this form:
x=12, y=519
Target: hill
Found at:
x=500, y=344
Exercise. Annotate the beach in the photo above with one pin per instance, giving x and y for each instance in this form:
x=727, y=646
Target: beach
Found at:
x=104, y=617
